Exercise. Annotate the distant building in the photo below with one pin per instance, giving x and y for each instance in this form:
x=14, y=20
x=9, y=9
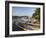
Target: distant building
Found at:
x=34, y=21
x=24, y=19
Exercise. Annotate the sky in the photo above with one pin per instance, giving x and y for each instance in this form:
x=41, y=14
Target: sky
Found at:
x=23, y=11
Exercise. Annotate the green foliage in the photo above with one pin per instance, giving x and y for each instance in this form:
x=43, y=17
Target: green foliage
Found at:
x=36, y=15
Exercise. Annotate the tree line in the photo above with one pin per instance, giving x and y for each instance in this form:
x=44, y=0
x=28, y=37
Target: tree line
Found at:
x=36, y=15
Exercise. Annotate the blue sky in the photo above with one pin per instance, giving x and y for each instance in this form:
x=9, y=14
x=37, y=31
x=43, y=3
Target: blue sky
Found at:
x=23, y=11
